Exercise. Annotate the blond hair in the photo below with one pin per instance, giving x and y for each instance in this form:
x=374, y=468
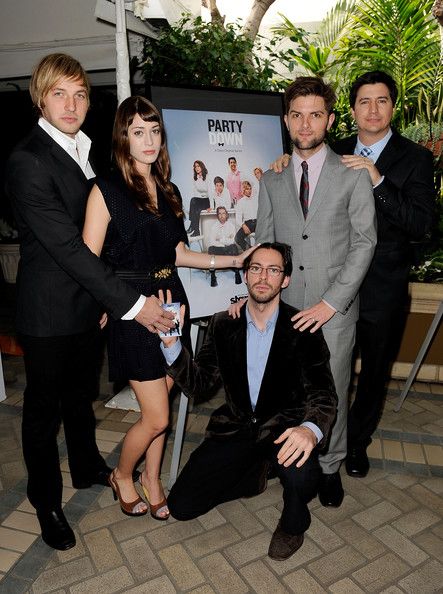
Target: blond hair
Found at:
x=49, y=71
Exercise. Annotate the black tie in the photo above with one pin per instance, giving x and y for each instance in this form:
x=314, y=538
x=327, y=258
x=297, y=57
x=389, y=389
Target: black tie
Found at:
x=304, y=189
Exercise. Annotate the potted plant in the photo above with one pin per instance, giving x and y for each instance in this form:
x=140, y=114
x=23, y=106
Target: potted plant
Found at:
x=9, y=251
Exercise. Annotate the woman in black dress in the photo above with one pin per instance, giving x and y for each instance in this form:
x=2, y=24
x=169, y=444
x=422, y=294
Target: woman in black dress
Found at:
x=134, y=220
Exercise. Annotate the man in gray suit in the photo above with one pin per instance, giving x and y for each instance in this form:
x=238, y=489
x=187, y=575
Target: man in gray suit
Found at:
x=325, y=211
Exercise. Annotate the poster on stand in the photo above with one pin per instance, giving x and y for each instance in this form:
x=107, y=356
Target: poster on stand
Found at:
x=220, y=142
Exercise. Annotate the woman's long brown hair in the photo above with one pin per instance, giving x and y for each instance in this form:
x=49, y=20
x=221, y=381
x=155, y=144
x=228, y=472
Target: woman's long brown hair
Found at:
x=160, y=169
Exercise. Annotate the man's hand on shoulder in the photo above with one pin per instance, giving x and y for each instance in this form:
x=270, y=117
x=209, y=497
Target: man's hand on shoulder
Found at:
x=297, y=441
x=314, y=317
x=280, y=163
x=360, y=162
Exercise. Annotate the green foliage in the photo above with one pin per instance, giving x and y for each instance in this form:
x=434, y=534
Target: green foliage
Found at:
x=193, y=52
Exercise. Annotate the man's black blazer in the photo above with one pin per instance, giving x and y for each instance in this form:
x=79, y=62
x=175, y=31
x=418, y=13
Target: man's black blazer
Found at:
x=405, y=206
x=297, y=383
x=62, y=285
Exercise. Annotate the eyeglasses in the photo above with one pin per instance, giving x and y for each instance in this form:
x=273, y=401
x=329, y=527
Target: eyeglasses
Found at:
x=271, y=270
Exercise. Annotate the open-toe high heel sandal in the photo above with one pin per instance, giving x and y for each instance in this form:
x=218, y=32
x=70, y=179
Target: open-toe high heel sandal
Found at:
x=128, y=508
x=157, y=509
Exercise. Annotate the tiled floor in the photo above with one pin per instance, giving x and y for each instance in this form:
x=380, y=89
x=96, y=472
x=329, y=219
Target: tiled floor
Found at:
x=386, y=537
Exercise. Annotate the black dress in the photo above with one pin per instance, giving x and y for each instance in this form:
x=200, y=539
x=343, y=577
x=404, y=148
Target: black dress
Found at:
x=140, y=247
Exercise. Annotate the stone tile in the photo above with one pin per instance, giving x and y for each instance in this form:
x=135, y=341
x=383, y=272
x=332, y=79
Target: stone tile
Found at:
x=395, y=495
x=434, y=454
x=63, y=576
x=426, y=579
x=124, y=529
x=392, y=450
x=173, y=532
x=212, y=519
x=392, y=590
x=414, y=453
x=22, y=521
x=105, y=446
x=25, y=506
x=245, y=523
x=142, y=560
x=380, y=573
x=359, y=488
x=212, y=540
x=160, y=585
x=345, y=586
x=261, y=579
x=402, y=481
x=103, y=518
x=182, y=568
x=377, y=515
x=249, y=550
x=416, y=521
x=323, y=536
x=115, y=580
x=102, y=550
x=15, y=540
x=78, y=551
x=203, y=590
x=430, y=543
x=114, y=436
x=269, y=516
x=374, y=449
x=8, y=559
x=300, y=582
x=329, y=568
x=401, y=545
x=426, y=497
x=360, y=539
x=221, y=575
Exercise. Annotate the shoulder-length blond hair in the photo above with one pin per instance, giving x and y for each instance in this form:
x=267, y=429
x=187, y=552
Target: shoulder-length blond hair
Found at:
x=160, y=169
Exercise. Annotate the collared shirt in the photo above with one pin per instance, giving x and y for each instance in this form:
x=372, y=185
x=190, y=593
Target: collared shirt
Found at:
x=77, y=148
x=258, y=345
x=246, y=209
x=315, y=164
x=376, y=148
x=223, y=199
x=222, y=234
x=233, y=183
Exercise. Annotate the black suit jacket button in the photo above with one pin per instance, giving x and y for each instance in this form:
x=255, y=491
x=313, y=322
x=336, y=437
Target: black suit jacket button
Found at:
x=301, y=267
x=253, y=420
x=304, y=236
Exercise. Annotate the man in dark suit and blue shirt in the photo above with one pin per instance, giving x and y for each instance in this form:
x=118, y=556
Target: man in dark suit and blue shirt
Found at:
x=280, y=404
x=402, y=175
x=62, y=288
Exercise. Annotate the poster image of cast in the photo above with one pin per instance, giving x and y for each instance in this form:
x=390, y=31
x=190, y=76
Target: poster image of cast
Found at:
x=217, y=159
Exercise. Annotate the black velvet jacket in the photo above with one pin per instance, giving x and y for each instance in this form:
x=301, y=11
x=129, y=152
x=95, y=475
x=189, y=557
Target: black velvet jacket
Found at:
x=297, y=384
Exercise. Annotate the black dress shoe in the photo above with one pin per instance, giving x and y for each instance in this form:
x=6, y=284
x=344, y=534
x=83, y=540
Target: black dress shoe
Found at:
x=331, y=491
x=283, y=545
x=100, y=478
x=56, y=532
x=357, y=462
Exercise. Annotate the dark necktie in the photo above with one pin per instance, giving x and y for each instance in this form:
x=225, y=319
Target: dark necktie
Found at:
x=304, y=189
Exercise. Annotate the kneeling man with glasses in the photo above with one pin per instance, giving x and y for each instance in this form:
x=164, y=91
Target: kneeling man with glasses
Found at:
x=280, y=403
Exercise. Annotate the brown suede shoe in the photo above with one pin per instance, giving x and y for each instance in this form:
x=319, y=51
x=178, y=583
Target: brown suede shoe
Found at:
x=283, y=545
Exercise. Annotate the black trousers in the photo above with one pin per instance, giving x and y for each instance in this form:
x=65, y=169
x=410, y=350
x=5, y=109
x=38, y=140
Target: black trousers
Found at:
x=195, y=207
x=240, y=237
x=223, y=470
x=378, y=338
x=61, y=382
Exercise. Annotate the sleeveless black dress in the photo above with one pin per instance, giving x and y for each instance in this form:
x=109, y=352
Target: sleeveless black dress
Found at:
x=140, y=247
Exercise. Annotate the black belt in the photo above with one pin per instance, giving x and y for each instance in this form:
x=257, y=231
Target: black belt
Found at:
x=156, y=274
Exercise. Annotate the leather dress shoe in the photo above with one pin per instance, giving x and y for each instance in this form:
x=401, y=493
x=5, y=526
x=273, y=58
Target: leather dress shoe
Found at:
x=56, y=532
x=357, y=462
x=283, y=545
x=100, y=478
x=331, y=491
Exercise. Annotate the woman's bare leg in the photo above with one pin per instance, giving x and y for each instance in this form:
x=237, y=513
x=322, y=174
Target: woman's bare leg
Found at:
x=152, y=397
